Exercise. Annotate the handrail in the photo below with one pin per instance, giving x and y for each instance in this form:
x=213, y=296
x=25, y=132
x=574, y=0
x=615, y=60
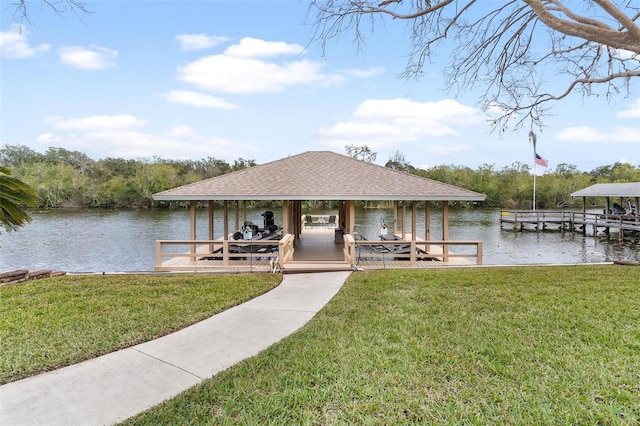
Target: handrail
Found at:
x=194, y=245
x=351, y=255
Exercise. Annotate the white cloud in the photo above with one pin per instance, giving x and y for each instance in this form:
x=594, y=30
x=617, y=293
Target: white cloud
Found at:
x=48, y=138
x=632, y=112
x=181, y=131
x=197, y=99
x=380, y=122
x=256, y=48
x=625, y=55
x=199, y=41
x=120, y=136
x=97, y=122
x=448, y=149
x=92, y=58
x=14, y=44
x=585, y=134
x=227, y=74
x=371, y=72
x=259, y=66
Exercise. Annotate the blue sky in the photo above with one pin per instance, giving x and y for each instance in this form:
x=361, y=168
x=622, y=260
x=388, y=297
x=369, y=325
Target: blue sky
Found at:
x=230, y=79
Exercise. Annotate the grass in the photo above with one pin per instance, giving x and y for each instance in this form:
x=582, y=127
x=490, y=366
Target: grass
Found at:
x=51, y=323
x=517, y=346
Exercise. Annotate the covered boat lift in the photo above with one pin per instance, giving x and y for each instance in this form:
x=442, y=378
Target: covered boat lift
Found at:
x=314, y=176
x=621, y=191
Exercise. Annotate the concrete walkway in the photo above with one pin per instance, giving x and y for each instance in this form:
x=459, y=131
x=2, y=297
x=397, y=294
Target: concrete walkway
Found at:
x=116, y=386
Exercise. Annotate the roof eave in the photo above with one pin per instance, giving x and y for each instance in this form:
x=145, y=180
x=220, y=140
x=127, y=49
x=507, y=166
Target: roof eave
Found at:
x=313, y=198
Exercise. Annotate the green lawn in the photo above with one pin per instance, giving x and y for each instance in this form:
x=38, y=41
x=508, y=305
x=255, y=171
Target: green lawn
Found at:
x=50, y=323
x=517, y=346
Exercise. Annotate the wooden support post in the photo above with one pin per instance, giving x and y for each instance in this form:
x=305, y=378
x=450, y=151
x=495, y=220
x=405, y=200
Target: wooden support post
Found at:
x=225, y=237
x=414, y=221
x=395, y=217
x=404, y=219
x=237, y=216
x=212, y=233
x=445, y=229
x=244, y=216
x=192, y=230
x=427, y=223
x=158, y=253
x=621, y=232
x=351, y=211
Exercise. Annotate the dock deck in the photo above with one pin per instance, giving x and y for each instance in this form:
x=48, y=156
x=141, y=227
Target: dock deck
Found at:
x=315, y=251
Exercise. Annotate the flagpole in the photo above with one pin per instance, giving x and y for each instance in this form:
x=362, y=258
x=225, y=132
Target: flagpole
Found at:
x=532, y=137
x=534, y=183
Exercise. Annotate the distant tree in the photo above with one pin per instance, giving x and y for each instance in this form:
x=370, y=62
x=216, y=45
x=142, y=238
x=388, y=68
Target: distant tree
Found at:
x=398, y=162
x=211, y=167
x=564, y=169
x=509, y=49
x=241, y=163
x=17, y=155
x=361, y=152
x=15, y=196
x=76, y=159
x=617, y=172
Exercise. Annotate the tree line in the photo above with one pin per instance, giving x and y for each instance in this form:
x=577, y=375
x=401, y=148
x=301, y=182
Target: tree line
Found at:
x=70, y=179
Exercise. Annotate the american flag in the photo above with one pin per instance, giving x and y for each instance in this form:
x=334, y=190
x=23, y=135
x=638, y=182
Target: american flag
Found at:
x=541, y=161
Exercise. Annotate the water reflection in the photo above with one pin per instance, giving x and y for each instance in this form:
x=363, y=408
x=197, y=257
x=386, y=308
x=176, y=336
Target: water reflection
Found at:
x=98, y=241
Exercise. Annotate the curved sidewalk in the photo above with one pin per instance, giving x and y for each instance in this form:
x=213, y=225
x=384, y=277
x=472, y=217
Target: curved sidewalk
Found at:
x=113, y=387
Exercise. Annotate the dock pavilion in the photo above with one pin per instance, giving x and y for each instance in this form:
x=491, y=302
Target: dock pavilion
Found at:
x=316, y=176
x=618, y=191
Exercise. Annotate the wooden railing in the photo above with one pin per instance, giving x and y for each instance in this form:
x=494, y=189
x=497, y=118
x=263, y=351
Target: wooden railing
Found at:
x=319, y=221
x=570, y=218
x=533, y=216
x=227, y=250
x=413, y=250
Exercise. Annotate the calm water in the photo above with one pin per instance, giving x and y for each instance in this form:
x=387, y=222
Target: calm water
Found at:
x=107, y=241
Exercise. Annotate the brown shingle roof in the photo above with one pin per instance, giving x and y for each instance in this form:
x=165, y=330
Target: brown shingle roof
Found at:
x=629, y=189
x=318, y=175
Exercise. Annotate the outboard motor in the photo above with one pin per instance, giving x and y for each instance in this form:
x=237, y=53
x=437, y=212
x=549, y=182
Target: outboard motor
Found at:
x=268, y=219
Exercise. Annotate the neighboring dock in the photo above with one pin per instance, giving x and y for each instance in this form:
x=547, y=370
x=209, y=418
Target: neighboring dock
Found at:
x=541, y=220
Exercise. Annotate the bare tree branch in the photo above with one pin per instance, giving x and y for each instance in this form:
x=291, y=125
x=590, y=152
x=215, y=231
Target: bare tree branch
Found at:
x=59, y=7
x=511, y=49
